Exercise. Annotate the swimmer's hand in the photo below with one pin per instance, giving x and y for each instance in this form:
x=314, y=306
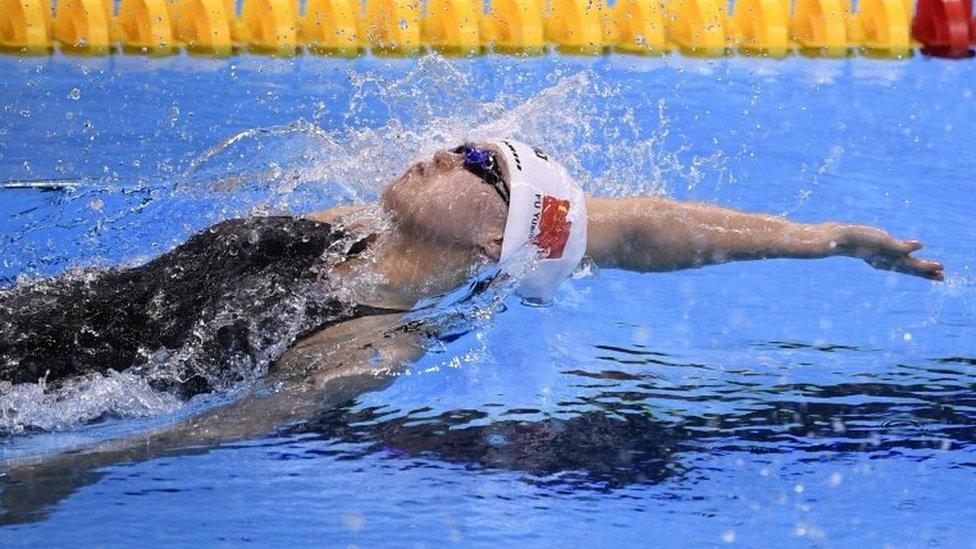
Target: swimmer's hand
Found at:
x=881, y=251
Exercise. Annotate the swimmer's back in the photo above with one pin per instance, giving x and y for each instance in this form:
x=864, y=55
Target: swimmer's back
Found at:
x=228, y=300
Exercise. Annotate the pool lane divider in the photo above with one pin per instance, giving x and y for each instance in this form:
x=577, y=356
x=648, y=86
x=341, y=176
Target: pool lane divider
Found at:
x=707, y=28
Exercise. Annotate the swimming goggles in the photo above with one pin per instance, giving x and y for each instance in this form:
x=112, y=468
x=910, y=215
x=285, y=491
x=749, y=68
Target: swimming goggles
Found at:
x=482, y=163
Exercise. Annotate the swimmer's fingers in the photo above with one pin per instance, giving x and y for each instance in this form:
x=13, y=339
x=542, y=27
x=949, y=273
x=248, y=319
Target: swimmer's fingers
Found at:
x=903, y=262
x=864, y=241
x=907, y=264
x=882, y=251
x=925, y=268
x=905, y=247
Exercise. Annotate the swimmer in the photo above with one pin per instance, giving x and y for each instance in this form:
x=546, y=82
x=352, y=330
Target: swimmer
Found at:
x=318, y=305
x=318, y=301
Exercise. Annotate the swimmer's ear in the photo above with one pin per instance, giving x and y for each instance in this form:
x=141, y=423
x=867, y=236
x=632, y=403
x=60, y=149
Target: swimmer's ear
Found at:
x=492, y=248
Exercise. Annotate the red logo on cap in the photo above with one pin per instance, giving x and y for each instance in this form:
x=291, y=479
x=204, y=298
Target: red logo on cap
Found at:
x=553, y=227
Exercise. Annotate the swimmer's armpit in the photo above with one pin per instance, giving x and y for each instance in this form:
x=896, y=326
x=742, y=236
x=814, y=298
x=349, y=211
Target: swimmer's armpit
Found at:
x=656, y=234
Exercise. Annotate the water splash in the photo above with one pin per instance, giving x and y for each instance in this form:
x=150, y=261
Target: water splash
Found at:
x=30, y=407
x=277, y=161
x=430, y=108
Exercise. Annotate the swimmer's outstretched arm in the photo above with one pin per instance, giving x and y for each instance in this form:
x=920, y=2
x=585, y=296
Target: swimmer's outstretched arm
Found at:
x=658, y=234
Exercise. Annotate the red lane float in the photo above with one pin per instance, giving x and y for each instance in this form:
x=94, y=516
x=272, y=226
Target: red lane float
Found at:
x=944, y=27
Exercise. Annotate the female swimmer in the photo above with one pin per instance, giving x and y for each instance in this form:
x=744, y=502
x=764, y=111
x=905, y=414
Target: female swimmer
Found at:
x=247, y=295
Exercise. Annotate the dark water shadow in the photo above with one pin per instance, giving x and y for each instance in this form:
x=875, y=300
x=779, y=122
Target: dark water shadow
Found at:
x=619, y=442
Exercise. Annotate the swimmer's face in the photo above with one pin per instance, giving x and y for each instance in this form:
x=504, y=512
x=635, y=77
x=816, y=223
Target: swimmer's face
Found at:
x=443, y=201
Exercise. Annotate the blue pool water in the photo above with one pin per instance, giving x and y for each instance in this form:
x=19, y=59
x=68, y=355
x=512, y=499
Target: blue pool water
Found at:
x=759, y=404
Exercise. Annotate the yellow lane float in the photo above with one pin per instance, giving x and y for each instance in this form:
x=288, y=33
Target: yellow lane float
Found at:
x=763, y=27
x=639, y=27
x=144, y=26
x=82, y=26
x=514, y=26
x=329, y=27
x=451, y=26
x=576, y=26
x=204, y=26
x=24, y=26
x=880, y=28
x=393, y=26
x=883, y=27
x=271, y=26
x=239, y=34
x=820, y=27
x=699, y=27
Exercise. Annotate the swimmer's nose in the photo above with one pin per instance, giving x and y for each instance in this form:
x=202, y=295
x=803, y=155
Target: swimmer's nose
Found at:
x=445, y=159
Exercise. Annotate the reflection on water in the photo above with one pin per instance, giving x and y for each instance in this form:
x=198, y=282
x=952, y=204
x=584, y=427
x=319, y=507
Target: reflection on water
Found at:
x=596, y=449
x=624, y=437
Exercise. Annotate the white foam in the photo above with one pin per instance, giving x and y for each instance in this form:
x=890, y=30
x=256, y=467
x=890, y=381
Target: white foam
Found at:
x=33, y=406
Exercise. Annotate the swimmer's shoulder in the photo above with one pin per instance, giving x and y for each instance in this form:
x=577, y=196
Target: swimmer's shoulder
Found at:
x=333, y=215
x=353, y=217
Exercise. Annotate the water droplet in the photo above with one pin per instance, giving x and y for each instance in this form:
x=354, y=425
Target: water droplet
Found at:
x=497, y=439
x=728, y=536
x=402, y=24
x=354, y=521
x=74, y=94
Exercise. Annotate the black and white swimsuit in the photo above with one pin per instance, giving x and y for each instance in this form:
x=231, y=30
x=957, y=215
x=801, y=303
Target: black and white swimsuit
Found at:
x=228, y=301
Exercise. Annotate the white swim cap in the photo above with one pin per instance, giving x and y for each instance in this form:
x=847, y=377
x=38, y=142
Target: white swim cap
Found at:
x=547, y=210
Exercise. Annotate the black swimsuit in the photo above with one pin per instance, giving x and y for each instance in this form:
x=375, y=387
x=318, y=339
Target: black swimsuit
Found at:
x=226, y=303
